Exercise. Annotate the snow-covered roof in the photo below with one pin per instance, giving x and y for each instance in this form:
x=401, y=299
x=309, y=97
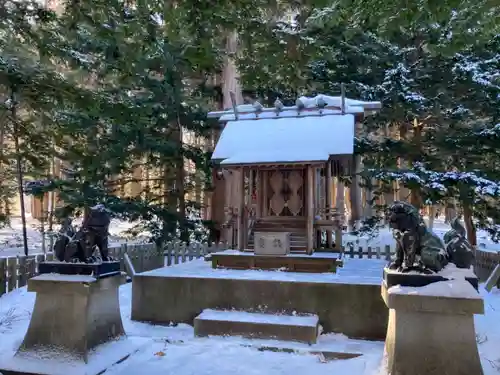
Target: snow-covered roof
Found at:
x=285, y=140
x=305, y=106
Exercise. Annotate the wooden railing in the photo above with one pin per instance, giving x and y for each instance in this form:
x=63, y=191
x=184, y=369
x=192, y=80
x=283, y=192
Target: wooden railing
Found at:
x=329, y=217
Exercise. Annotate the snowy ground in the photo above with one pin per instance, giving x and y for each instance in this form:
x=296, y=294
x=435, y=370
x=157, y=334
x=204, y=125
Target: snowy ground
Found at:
x=175, y=350
x=11, y=238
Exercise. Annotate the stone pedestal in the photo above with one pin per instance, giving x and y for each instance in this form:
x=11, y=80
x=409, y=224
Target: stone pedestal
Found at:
x=431, y=329
x=72, y=316
x=272, y=243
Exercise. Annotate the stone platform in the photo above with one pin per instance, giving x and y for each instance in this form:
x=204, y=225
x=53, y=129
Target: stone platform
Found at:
x=240, y=260
x=348, y=303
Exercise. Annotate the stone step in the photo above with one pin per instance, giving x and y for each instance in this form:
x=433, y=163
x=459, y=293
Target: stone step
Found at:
x=257, y=325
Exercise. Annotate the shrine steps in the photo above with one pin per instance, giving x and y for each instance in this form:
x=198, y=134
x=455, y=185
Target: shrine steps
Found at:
x=303, y=329
x=296, y=227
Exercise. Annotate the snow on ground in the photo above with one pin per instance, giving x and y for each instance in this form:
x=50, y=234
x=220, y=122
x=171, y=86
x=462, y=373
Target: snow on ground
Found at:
x=11, y=237
x=361, y=271
x=174, y=349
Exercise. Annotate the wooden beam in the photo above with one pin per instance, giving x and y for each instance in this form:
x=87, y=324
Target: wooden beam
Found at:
x=310, y=210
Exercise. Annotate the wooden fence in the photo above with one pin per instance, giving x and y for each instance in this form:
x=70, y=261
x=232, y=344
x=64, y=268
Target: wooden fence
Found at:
x=15, y=271
x=485, y=263
x=368, y=252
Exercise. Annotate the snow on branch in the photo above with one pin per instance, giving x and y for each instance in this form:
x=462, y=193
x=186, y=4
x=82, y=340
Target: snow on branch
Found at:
x=442, y=184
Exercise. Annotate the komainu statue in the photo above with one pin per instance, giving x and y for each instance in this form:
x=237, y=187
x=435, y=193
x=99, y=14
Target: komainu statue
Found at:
x=459, y=250
x=79, y=246
x=417, y=248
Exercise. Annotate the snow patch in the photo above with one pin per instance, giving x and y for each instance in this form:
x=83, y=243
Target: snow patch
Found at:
x=247, y=317
x=457, y=288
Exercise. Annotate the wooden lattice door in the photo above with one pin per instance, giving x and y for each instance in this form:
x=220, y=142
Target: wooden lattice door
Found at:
x=287, y=192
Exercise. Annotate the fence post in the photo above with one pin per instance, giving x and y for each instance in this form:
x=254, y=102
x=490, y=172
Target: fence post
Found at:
x=369, y=252
x=3, y=276
x=169, y=250
x=12, y=278
x=183, y=252
x=176, y=253
x=21, y=271
x=39, y=258
x=387, y=252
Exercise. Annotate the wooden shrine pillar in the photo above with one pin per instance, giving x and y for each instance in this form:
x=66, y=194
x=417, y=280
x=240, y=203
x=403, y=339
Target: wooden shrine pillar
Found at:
x=258, y=194
x=241, y=208
x=265, y=200
x=315, y=204
x=310, y=209
x=227, y=198
x=340, y=209
x=329, y=207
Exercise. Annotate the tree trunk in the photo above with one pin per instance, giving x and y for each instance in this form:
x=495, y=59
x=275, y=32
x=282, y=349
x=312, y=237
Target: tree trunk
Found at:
x=19, y=169
x=369, y=198
x=403, y=192
x=355, y=194
x=42, y=224
x=52, y=205
x=230, y=75
x=469, y=224
x=432, y=216
x=3, y=203
x=355, y=188
x=416, y=194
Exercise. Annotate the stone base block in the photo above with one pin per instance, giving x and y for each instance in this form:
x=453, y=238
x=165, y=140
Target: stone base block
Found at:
x=98, y=270
x=257, y=325
x=73, y=313
x=272, y=243
x=430, y=332
x=52, y=362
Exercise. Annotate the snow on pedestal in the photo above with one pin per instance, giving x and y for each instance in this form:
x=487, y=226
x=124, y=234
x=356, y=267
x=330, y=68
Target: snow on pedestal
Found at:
x=75, y=328
x=431, y=329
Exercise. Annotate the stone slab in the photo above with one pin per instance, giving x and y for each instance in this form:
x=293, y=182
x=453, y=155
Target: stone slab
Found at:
x=393, y=277
x=97, y=270
x=257, y=325
x=53, y=363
